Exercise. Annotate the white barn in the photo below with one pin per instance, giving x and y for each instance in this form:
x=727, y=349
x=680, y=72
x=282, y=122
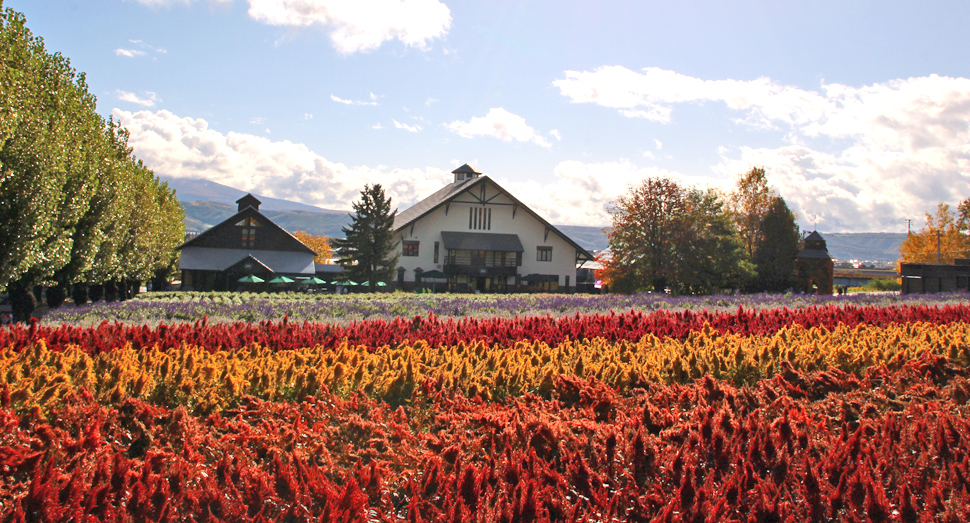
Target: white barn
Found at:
x=483, y=239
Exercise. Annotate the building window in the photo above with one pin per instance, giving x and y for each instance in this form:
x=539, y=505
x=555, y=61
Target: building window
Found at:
x=518, y=259
x=480, y=218
x=248, y=231
x=436, y=252
x=410, y=248
x=544, y=254
x=248, y=238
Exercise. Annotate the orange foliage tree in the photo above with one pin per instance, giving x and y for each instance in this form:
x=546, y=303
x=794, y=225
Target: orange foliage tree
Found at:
x=319, y=243
x=947, y=228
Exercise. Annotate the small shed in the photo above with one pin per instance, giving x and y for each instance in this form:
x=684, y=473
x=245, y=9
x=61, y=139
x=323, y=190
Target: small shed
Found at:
x=814, y=268
x=929, y=278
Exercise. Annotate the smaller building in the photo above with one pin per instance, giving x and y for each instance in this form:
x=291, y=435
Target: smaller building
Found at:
x=814, y=268
x=247, y=243
x=930, y=278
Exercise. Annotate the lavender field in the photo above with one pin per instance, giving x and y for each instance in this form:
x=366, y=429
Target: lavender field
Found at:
x=171, y=307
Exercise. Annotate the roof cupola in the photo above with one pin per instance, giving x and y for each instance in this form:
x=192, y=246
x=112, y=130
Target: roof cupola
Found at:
x=465, y=172
x=248, y=201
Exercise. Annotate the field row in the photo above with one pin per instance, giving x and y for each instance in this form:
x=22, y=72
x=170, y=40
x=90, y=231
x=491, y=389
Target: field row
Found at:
x=437, y=332
x=211, y=380
x=328, y=308
x=888, y=445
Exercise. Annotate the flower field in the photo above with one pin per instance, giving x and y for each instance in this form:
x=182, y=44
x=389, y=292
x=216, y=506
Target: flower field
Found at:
x=169, y=307
x=850, y=412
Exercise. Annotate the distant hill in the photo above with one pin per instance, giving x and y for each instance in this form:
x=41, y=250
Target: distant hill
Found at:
x=199, y=216
x=199, y=190
x=590, y=238
x=862, y=246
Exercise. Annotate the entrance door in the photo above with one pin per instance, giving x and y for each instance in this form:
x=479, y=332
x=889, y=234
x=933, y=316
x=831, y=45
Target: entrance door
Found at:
x=482, y=284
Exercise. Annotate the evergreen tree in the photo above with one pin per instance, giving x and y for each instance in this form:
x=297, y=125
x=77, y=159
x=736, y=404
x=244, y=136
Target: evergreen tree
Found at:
x=777, y=245
x=366, y=250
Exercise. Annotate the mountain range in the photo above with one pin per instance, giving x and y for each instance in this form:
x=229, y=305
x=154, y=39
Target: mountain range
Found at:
x=207, y=203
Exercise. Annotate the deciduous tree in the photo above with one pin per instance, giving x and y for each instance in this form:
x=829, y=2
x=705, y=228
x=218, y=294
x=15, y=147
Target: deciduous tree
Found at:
x=665, y=236
x=944, y=229
x=748, y=204
x=366, y=249
x=318, y=242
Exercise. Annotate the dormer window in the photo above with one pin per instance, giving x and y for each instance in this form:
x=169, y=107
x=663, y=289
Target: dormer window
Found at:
x=461, y=176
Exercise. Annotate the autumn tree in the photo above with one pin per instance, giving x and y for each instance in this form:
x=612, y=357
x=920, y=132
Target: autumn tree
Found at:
x=366, y=249
x=749, y=203
x=944, y=232
x=665, y=236
x=318, y=242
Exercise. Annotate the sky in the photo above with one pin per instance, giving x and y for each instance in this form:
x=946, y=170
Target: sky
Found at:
x=858, y=111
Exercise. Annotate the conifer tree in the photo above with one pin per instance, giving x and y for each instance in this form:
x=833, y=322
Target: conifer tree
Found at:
x=366, y=250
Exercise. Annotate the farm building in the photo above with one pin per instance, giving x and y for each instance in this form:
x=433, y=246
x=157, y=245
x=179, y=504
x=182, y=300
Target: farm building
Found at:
x=476, y=236
x=814, y=268
x=929, y=278
x=247, y=243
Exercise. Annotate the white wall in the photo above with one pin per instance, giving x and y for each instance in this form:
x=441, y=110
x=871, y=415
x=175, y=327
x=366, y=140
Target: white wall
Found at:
x=531, y=232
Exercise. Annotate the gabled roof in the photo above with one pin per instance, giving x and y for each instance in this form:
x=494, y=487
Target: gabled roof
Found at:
x=452, y=190
x=814, y=237
x=249, y=212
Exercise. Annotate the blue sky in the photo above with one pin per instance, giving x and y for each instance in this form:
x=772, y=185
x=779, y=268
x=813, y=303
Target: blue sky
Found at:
x=857, y=110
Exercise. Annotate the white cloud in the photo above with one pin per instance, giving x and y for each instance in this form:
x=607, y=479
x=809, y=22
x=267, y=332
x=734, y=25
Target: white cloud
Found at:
x=354, y=102
x=360, y=25
x=377, y=126
x=501, y=124
x=430, y=101
x=186, y=148
x=556, y=134
x=257, y=120
x=149, y=101
x=307, y=116
x=658, y=143
x=582, y=192
x=409, y=128
x=648, y=154
x=889, y=150
x=130, y=53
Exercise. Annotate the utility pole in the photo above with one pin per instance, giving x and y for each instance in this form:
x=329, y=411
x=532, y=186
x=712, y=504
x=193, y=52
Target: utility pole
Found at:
x=909, y=226
x=939, y=234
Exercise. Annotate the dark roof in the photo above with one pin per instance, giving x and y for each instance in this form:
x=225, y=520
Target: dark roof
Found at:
x=328, y=268
x=481, y=241
x=466, y=169
x=214, y=259
x=814, y=253
x=199, y=240
x=432, y=202
x=452, y=190
x=814, y=237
